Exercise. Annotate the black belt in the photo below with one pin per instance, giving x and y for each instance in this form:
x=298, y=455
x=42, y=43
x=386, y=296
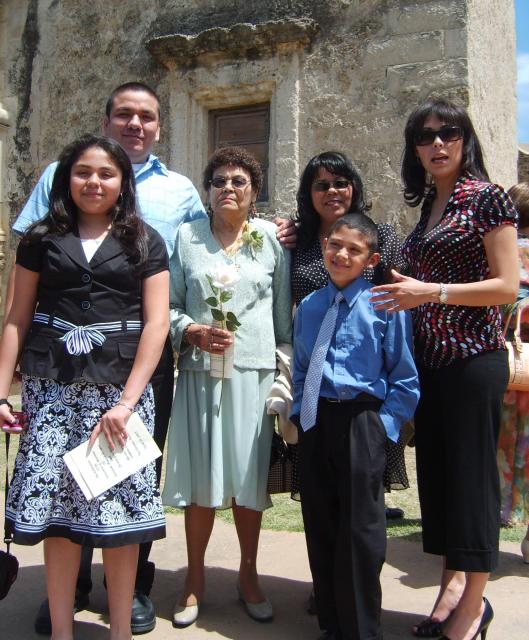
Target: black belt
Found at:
x=361, y=397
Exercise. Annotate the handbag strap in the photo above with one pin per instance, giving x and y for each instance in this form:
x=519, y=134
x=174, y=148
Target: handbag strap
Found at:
x=517, y=341
x=8, y=535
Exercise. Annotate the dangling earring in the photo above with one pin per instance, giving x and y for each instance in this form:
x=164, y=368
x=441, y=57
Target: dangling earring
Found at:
x=252, y=211
x=120, y=198
x=209, y=210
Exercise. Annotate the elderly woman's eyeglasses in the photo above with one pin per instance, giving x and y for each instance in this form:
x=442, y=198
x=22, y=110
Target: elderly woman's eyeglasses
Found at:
x=325, y=185
x=238, y=182
x=447, y=134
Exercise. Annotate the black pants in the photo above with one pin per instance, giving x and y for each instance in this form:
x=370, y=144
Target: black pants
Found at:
x=456, y=433
x=342, y=462
x=163, y=399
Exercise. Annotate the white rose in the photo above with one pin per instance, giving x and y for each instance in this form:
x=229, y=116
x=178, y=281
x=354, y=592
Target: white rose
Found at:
x=224, y=276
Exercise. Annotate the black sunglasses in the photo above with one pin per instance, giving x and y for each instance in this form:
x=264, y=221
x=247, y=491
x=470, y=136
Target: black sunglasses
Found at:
x=325, y=185
x=239, y=182
x=448, y=133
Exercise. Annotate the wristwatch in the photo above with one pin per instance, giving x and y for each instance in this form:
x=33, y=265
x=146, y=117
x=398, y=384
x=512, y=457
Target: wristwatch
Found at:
x=443, y=293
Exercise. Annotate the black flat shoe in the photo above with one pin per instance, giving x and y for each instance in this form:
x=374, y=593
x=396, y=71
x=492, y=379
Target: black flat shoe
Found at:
x=394, y=513
x=428, y=628
x=43, y=618
x=484, y=623
x=143, y=617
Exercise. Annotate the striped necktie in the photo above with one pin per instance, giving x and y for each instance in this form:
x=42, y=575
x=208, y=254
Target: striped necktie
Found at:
x=311, y=388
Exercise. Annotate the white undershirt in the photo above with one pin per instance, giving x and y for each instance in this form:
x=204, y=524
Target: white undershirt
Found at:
x=90, y=246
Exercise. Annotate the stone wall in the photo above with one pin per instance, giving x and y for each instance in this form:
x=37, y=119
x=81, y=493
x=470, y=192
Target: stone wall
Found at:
x=350, y=86
x=523, y=163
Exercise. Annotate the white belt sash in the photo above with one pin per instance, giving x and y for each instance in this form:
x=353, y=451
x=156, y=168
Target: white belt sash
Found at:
x=82, y=339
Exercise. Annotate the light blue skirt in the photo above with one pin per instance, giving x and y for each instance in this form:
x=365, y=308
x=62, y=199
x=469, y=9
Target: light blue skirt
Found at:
x=213, y=459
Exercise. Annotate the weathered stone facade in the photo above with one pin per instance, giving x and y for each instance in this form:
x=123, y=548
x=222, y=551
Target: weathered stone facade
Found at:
x=523, y=163
x=340, y=74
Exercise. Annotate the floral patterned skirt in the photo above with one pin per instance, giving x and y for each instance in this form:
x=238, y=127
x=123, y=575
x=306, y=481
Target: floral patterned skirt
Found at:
x=45, y=501
x=513, y=458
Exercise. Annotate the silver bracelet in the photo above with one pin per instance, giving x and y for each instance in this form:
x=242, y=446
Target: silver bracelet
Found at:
x=122, y=404
x=443, y=293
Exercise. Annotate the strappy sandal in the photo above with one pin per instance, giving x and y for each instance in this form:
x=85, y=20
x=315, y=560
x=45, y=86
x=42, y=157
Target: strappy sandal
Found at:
x=428, y=628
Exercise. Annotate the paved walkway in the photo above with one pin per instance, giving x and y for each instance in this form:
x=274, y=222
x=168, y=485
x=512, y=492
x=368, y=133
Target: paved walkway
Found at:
x=408, y=583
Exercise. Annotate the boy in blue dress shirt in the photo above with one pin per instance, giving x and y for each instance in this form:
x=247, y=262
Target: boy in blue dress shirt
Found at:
x=355, y=384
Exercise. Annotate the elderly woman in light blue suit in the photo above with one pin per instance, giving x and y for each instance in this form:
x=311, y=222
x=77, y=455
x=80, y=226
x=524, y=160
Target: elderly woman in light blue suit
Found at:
x=220, y=435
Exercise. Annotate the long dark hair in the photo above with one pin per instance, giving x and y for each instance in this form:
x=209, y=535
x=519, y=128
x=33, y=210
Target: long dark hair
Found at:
x=126, y=225
x=339, y=165
x=414, y=176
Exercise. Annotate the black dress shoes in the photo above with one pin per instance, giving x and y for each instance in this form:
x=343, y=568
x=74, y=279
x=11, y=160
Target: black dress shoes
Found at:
x=43, y=619
x=394, y=513
x=143, y=618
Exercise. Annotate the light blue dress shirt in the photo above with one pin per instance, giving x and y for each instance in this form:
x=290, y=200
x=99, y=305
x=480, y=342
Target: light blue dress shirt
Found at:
x=370, y=352
x=165, y=199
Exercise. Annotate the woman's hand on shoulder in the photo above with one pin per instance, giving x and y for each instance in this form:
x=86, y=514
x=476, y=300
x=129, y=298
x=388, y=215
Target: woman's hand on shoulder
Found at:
x=403, y=293
x=211, y=339
x=113, y=424
x=286, y=232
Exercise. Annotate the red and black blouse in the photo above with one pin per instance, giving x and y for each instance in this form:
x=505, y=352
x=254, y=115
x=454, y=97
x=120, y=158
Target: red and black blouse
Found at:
x=453, y=252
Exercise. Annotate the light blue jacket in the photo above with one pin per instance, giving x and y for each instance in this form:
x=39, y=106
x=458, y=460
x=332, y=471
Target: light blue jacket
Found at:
x=261, y=299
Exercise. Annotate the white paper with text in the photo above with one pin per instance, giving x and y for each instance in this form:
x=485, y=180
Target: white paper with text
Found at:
x=97, y=470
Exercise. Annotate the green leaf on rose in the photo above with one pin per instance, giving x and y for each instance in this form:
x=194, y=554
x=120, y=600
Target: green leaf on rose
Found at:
x=231, y=326
x=225, y=296
x=213, y=287
x=230, y=317
x=213, y=302
x=217, y=315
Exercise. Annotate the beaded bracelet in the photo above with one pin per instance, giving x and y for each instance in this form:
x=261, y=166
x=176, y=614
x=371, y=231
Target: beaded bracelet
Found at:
x=122, y=404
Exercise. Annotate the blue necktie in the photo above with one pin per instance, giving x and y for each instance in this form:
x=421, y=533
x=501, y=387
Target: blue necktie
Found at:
x=311, y=388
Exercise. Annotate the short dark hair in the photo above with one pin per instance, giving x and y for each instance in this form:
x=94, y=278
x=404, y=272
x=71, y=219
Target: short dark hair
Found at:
x=126, y=225
x=130, y=86
x=519, y=194
x=413, y=174
x=339, y=165
x=234, y=157
x=361, y=223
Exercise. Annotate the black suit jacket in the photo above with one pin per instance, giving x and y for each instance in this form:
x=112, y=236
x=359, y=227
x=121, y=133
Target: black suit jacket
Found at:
x=106, y=289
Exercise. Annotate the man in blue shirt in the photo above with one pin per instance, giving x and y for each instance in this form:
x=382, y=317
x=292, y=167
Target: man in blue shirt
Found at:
x=355, y=384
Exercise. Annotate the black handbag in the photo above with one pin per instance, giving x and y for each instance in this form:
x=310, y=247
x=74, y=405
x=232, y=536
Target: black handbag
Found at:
x=8, y=562
x=280, y=472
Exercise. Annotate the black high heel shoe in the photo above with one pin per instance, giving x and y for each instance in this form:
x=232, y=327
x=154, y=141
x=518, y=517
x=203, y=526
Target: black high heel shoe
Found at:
x=484, y=623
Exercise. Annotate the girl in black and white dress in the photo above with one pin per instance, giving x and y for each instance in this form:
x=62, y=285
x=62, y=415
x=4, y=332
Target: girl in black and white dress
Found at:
x=88, y=321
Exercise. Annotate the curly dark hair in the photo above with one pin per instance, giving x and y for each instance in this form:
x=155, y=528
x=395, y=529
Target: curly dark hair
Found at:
x=414, y=177
x=234, y=157
x=126, y=225
x=339, y=165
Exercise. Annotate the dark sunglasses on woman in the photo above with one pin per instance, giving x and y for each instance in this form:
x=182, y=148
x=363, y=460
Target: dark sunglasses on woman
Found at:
x=448, y=133
x=325, y=185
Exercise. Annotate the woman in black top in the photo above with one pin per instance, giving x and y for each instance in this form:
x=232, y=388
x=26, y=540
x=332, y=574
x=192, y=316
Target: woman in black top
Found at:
x=89, y=319
x=330, y=187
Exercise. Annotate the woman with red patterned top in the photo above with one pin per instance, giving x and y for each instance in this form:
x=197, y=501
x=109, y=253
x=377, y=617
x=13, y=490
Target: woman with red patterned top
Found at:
x=463, y=263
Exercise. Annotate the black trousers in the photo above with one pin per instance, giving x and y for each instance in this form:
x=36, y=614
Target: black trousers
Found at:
x=456, y=434
x=342, y=462
x=163, y=400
